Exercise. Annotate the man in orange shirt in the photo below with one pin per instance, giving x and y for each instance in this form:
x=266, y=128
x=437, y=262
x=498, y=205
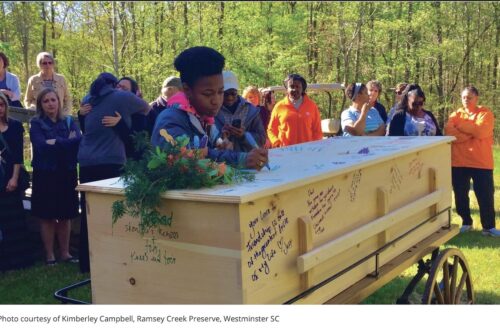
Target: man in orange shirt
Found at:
x=472, y=158
x=296, y=118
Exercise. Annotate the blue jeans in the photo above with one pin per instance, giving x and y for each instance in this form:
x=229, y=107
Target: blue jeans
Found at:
x=484, y=190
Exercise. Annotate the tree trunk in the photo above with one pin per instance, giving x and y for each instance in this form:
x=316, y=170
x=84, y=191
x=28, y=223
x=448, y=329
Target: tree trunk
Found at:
x=220, y=21
x=22, y=21
x=312, y=52
x=116, y=66
x=134, y=26
x=200, y=21
x=160, y=27
x=357, y=57
x=394, y=70
x=157, y=32
x=467, y=44
x=44, y=26
x=440, y=83
x=497, y=47
x=3, y=34
x=53, y=25
x=122, y=17
x=372, y=39
x=409, y=35
x=269, y=55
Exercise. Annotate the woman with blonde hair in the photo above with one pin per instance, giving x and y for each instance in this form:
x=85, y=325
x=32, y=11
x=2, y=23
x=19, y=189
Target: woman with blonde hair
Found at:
x=252, y=95
x=55, y=139
x=47, y=78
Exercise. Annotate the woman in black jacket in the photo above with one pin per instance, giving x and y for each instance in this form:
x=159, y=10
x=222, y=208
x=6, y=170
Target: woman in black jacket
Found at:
x=411, y=119
x=16, y=245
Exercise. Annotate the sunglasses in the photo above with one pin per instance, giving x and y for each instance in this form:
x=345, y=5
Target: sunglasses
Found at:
x=398, y=93
x=418, y=104
x=47, y=63
x=231, y=93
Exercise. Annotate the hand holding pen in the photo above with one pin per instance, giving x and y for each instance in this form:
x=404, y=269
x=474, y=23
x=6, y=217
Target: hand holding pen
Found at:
x=257, y=157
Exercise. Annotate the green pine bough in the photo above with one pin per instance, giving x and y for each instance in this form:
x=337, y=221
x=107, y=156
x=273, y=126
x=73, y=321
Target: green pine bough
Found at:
x=174, y=166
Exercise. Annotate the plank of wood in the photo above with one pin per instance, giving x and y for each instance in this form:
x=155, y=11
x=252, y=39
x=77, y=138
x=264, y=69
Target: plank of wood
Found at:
x=339, y=245
x=433, y=186
x=305, y=245
x=364, y=288
x=383, y=209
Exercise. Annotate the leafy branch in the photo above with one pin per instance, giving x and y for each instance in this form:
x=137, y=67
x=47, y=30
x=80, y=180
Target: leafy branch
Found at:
x=175, y=166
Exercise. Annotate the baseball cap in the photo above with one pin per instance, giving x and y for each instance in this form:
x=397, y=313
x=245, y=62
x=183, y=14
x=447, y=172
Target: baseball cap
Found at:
x=230, y=80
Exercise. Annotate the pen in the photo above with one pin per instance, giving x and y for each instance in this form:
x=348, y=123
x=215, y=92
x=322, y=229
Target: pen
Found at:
x=254, y=144
x=196, y=142
x=204, y=141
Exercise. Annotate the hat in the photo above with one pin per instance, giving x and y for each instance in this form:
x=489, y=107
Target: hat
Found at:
x=230, y=80
x=172, y=81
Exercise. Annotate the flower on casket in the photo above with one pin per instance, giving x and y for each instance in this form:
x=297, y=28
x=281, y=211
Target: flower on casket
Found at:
x=175, y=165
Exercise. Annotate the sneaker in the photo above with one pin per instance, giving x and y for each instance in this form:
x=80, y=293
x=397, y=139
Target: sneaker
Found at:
x=465, y=228
x=71, y=260
x=493, y=232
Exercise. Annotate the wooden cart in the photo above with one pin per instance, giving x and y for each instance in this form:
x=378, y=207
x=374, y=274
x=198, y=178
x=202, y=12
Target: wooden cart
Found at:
x=330, y=223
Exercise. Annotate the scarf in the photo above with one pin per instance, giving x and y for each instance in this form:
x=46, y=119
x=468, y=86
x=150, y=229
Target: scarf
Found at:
x=180, y=100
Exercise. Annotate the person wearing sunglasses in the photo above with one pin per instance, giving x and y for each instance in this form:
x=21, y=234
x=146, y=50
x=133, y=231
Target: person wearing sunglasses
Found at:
x=237, y=118
x=410, y=118
x=398, y=95
x=47, y=78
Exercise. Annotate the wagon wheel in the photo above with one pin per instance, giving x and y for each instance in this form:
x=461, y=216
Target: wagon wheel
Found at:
x=450, y=280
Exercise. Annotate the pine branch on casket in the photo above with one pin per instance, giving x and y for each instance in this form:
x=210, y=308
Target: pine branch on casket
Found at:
x=175, y=166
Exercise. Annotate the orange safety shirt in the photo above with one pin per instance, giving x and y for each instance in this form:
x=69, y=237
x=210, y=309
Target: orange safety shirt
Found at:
x=473, y=130
x=289, y=126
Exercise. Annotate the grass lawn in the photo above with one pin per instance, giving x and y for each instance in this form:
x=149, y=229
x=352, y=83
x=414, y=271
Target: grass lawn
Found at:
x=37, y=284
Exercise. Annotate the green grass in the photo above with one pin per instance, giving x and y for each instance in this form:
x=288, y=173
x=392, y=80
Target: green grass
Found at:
x=37, y=284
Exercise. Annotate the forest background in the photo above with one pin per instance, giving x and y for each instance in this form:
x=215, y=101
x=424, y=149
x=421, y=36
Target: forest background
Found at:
x=442, y=46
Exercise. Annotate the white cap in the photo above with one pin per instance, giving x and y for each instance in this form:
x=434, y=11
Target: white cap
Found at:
x=230, y=80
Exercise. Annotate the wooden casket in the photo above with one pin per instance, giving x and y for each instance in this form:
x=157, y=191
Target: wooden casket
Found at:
x=321, y=210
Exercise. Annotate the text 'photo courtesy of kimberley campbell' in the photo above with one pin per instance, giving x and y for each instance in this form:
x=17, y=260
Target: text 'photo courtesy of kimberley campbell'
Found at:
x=227, y=316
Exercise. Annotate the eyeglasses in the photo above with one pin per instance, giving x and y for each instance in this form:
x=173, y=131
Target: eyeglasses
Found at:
x=47, y=63
x=418, y=104
x=232, y=93
x=398, y=93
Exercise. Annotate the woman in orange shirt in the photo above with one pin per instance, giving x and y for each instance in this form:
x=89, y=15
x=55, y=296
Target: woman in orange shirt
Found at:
x=296, y=118
x=472, y=158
